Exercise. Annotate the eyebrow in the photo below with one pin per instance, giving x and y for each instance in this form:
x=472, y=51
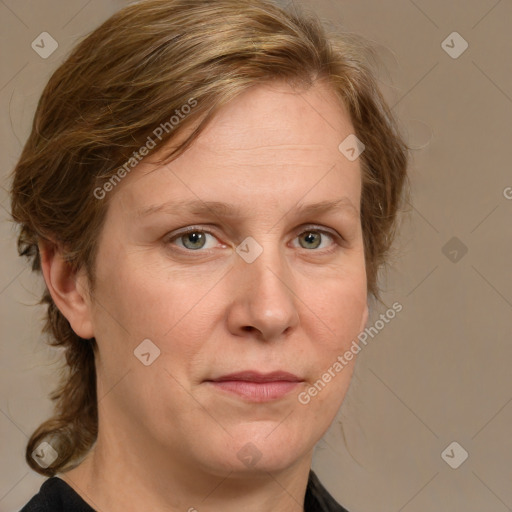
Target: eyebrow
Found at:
x=198, y=207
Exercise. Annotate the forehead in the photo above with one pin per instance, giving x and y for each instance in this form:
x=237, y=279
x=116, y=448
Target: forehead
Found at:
x=275, y=114
x=269, y=141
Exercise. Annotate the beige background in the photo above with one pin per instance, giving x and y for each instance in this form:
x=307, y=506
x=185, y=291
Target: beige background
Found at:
x=440, y=371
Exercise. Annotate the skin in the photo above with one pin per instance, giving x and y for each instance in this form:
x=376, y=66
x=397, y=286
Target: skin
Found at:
x=167, y=439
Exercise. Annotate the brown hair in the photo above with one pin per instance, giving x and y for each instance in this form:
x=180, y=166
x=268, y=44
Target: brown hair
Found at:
x=130, y=76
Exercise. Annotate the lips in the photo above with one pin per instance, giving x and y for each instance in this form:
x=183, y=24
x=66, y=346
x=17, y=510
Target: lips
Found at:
x=254, y=386
x=253, y=376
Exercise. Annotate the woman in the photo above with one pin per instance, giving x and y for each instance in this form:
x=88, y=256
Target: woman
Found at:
x=209, y=191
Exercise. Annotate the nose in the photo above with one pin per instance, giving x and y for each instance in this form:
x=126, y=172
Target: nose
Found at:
x=264, y=303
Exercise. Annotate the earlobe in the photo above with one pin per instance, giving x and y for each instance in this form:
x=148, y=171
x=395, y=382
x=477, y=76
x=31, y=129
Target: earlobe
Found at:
x=67, y=288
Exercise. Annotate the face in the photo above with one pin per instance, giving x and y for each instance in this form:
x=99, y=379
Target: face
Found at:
x=260, y=285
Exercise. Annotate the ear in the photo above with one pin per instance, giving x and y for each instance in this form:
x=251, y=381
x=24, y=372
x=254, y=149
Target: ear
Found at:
x=364, y=319
x=67, y=288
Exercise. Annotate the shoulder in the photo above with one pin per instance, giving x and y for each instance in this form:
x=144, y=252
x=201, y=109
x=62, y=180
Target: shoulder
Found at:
x=318, y=498
x=43, y=501
x=55, y=495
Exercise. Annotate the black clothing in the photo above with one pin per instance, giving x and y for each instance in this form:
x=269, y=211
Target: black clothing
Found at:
x=318, y=499
x=55, y=495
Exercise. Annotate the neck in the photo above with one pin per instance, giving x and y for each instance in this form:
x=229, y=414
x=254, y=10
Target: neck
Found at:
x=120, y=476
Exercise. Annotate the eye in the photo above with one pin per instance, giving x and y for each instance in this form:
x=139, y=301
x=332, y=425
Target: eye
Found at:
x=193, y=239
x=312, y=239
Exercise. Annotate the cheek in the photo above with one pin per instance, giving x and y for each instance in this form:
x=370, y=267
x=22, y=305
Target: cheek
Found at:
x=172, y=309
x=320, y=401
x=339, y=305
x=339, y=312
x=144, y=301
x=135, y=303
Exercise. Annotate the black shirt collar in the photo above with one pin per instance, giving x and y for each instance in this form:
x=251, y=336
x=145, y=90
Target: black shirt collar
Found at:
x=55, y=495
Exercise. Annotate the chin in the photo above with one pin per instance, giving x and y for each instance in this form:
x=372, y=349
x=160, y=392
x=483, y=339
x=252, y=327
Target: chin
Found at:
x=264, y=447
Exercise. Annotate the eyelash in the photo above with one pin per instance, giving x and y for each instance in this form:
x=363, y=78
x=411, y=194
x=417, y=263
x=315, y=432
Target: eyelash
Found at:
x=338, y=240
